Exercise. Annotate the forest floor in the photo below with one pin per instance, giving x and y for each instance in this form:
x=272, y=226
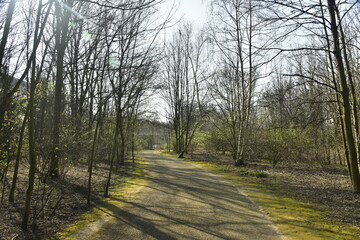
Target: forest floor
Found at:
x=326, y=189
x=57, y=203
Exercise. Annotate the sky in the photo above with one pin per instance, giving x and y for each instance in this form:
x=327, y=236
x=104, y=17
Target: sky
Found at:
x=191, y=10
x=194, y=11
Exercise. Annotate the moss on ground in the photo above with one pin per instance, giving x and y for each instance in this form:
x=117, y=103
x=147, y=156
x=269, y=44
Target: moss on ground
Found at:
x=121, y=189
x=295, y=220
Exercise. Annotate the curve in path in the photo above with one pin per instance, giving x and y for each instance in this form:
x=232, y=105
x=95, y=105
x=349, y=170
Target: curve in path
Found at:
x=183, y=201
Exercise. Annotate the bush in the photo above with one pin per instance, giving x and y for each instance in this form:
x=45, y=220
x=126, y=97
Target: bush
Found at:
x=282, y=145
x=260, y=174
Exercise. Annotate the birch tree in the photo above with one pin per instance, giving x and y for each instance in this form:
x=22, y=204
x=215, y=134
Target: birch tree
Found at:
x=182, y=85
x=325, y=20
x=233, y=30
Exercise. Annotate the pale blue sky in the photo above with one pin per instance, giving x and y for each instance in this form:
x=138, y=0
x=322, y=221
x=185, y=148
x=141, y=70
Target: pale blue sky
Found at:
x=194, y=11
x=190, y=10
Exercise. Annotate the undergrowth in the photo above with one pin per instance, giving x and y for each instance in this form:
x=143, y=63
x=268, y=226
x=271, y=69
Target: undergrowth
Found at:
x=132, y=181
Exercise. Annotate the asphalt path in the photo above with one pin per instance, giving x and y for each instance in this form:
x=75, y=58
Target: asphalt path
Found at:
x=184, y=201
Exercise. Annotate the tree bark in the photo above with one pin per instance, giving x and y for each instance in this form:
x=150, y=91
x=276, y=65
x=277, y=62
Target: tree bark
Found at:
x=9, y=16
x=345, y=94
x=18, y=157
x=31, y=131
x=61, y=43
x=339, y=105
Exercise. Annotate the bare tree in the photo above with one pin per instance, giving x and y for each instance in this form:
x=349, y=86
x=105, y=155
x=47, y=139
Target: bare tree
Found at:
x=32, y=153
x=133, y=54
x=233, y=32
x=182, y=85
x=63, y=14
x=326, y=22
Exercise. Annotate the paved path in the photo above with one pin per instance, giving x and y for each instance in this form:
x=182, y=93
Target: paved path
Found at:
x=183, y=201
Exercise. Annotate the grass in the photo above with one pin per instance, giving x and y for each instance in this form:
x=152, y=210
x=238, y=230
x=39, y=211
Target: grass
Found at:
x=295, y=220
x=259, y=174
x=121, y=189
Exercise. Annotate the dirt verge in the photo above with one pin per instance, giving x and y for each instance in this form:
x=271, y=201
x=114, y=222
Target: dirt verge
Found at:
x=327, y=187
x=56, y=203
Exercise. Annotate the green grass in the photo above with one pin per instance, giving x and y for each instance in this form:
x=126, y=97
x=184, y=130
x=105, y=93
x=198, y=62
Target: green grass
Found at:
x=120, y=189
x=259, y=174
x=294, y=219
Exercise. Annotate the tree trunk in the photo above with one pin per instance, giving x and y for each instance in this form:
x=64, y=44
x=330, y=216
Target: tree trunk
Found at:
x=61, y=42
x=133, y=142
x=345, y=94
x=122, y=145
x=32, y=156
x=18, y=157
x=91, y=162
x=31, y=131
x=112, y=158
x=9, y=16
x=4, y=101
x=338, y=101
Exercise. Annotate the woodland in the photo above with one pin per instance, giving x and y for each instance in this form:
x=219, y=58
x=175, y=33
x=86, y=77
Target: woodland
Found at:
x=275, y=82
